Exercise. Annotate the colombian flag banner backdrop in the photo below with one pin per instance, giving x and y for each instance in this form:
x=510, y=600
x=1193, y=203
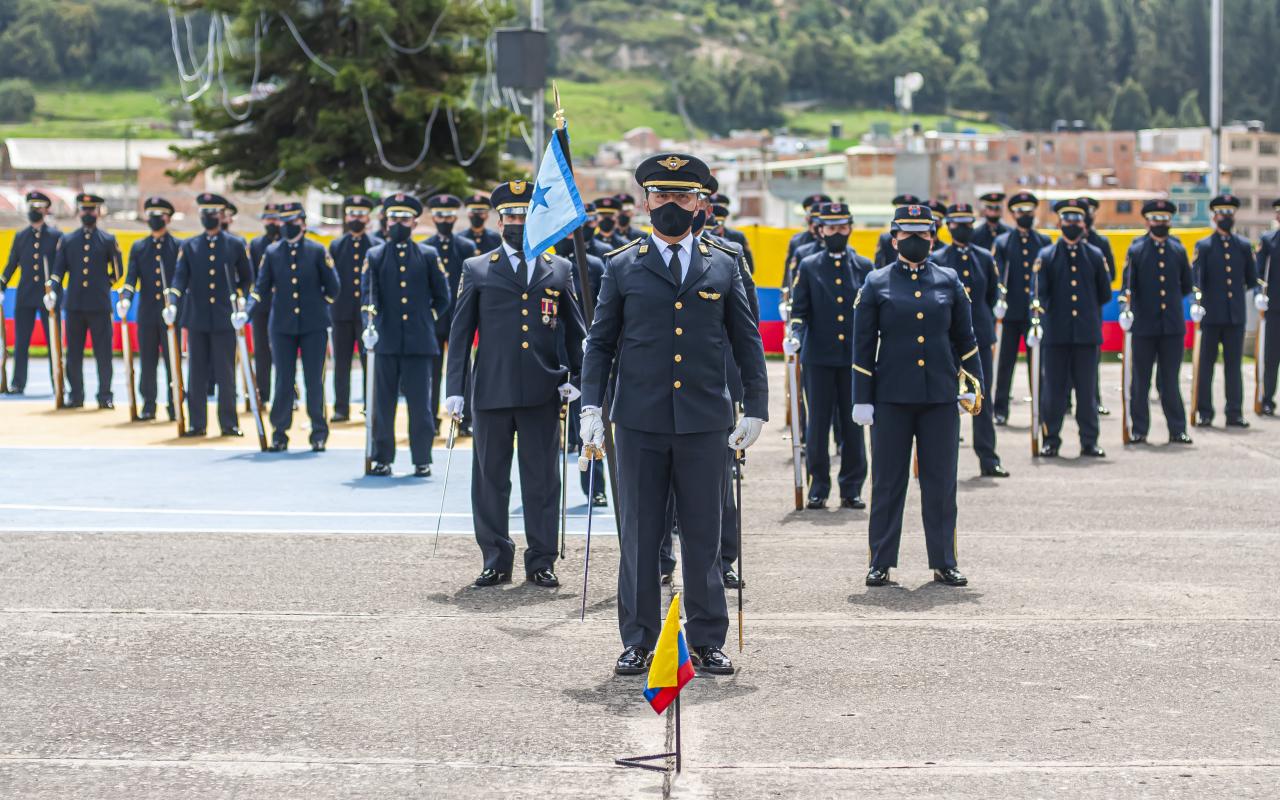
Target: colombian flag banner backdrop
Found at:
x=671, y=668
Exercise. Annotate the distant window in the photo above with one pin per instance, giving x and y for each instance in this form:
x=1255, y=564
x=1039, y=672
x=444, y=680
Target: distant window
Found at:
x=331, y=211
x=1269, y=147
x=1268, y=175
x=1241, y=174
x=1246, y=202
x=951, y=171
x=1124, y=206
x=1241, y=145
x=1186, y=208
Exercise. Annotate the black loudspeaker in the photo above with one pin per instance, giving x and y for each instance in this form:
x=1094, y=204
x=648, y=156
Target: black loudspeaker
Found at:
x=522, y=58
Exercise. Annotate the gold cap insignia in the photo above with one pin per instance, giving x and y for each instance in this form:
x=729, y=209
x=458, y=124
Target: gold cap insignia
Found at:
x=673, y=163
x=517, y=187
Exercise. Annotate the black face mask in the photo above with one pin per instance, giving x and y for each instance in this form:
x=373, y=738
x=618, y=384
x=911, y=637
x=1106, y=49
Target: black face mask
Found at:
x=210, y=221
x=398, y=232
x=356, y=226
x=88, y=220
x=513, y=235
x=226, y=225
x=1160, y=230
x=477, y=221
x=292, y=230
x=606, y=224
x=836, y=242
x=1072, y=231
x=671, y=220
x=961, y=234
x=156, y=223
x=272, y=230
x=1025, y=221
x=588, y=230
x=1227, y=223
x=993, y=220
x=699, y=222
x=34, y=216
x=624, y=220
x=444, y=228
x=914, y=249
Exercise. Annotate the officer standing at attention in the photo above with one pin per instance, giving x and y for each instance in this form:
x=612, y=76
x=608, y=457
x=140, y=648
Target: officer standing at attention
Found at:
x=885, y=252
x=913, y=331
x=1224, y=270
x=1073, y=284
x=992, y=228
x=1015, y=254
x=485, y=240
x=669, y=306
x=298, y=279
x=90, y=260
x=720, y=212
x=977, y=271
x=1157, y=275
x=1268, y=258
x=260, y=321
x=405, y=291
x=607, y=222
x=32, y=247
x=212, y=267
x=1091, y=235
x=453, y=249
x=348, y=253
x=152, y=260
x=518, y=385
x=626, y=211
x=808, y=236
x=822, y=294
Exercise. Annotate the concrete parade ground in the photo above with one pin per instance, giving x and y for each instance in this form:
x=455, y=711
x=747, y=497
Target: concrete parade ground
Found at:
x=206, y=620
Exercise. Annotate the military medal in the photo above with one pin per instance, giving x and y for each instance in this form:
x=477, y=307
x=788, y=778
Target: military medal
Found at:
x=550, y=308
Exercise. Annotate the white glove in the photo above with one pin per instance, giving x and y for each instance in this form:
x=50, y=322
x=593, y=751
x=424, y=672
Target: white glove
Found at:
x=1000, y=308
x=864, y=414
x=569, y=392
x=1126, y=320
x=50, y=300
x=453, y=405
x=782, y=310
x=791, y=345
x=170, y=314
x=967, y=397
x=746, y=433
x=370, y=337
x=1197, y=312
x=1260, y=301
x=238, y=319
x=1033, y=336
x=122, y=307
x=591, y=426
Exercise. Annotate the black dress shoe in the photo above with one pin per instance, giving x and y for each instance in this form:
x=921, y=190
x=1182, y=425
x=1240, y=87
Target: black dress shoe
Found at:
x=275, y=447
x=666, y=579
x=712, y=661
x=600, y=501
x=1137, y=438
x=852, y=502
x=995, y=471
x=73, y=404
x=633, y=661
x=545, y=578
x=1179, y=438
x=233, y=432
x=191, y=433
x=318, y=445
x=172, y=416
x=464, y=430
x=816, y=503
x=380, y=470
x=491, y=577
x=1238, y=422
x=340, y=418
x=1203, y=422
x=877, y=576
x=1002, y=419
x=1049, y=451
x=105, y=405
x=1103, y=411
x=146, y=416
x=1268, y=409
x=422, y=470
x=15, y=390
x=733, y=581
x=1093, y=451
x=950, y=576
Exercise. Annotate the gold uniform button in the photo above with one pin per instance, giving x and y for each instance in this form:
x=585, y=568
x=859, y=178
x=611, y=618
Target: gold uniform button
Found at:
x=1074, y=298
x=403, y=284
x=839, y=317
x=1073, y=269
x=402, y=268
x=211, y=286
x=1230, y=294
x=211, y=272
x=1160, y=264
x=839, y=299
x=966, y=273
x=1227, y=256
x=679, y=305
x=1162, y=292
x=964, y=256
x=297, y=311
x=917, y=294
x=86, y=259
x=1163, y=306
x=84, y=283
x=210, y=301
x=1024, y=251
x=524, y=327
x=1162, y=279
x=1228, y=269
x=840, y=337
x=356, y=292
x=676, y=384
x=1027, y=290
x=920, y=363
x=295, y=295
x=837, y=281
x=1073, y=281
x=919, y=315
x=920, y=339
x=915, y=277
x=524, y=297
x=679, y=358
x=1075, y=313
x=404, y=316
x=524, y=345
x=157, y=297
x=295, y=281
x=679, y=331
x=524, y=312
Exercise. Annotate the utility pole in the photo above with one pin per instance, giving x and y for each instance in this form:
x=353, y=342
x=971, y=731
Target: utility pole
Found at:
x=1215, y=95
x=539, y=96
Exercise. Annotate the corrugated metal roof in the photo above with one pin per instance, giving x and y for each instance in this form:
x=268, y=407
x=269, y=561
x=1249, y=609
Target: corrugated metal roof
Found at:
x=45, y=155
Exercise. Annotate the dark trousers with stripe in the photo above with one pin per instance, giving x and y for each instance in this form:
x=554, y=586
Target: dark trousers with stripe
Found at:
x=153, y=346
x=1231, y=339
x=1271, y=356
x=211, y=359
x=96, y=324
x=984, y=425
x=1164, y=354
x=346, y=338
x=829, y=391
x=1011, y=337
x=1065, y=366
x=24, y=320
x=393, y=374
x=258, y=328
x=284, y=352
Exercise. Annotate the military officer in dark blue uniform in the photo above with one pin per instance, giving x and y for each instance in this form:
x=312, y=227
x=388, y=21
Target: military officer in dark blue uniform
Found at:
x=1157, y=275
x=260, y=321
x=1072, y=284
x=1015, y=254
x=720, y=213
x=822, y=294
x=607, y=209
x=518, y=307
x=985, y=234
x=213, y=266
x=90, y=261
x=1268, y=266
x=1091, y=235
x=977, y=271
x=405, y=291
x=152, y=261
x=485, y=239
x=348, y=253
x=453, y=250
x=229, y=218
x=913, y=333
x=885, y=254
x=1225, y=270
x=626, y=212
x=669, y=306
x=34, y=248
x=808, y=236
x=298, y=279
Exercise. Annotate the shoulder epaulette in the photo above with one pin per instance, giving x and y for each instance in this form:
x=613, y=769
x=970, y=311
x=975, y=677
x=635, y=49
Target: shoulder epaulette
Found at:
x=626, y=246
x=496, y=255
x=546, y=257
x=721, y=247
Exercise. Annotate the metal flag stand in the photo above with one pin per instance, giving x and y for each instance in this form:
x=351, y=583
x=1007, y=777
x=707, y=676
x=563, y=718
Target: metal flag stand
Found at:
x=675, y=755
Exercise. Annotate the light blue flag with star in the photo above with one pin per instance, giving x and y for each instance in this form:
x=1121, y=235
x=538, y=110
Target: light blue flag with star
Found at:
x=556, y=208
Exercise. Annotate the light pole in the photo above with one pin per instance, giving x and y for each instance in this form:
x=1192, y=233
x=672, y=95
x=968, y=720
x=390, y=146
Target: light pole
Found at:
x=539, y=95
x=1215, y=95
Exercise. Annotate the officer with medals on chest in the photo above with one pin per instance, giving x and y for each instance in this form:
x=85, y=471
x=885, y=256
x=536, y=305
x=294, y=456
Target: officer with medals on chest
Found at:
x=885, y=253
x=90, y=261
x=669, y=307
x=1225, y=271
x=453, y=250
x=977, y=271
x=33, y=247
x=213, y=266
x=405, y=291
x=1072, y=284
x=259, y=323
x=520, y=309
x=298, y=279
x=1268, y=266
x=1015, y=254
x=348, y=253
x=992, y=228
x=912, y=337
x=1157, y=275
x=485, y=239
x=152, y=261
x=822, y=293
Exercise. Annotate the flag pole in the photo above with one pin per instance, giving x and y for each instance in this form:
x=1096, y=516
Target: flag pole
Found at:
x=678, y=748
x=588, y=307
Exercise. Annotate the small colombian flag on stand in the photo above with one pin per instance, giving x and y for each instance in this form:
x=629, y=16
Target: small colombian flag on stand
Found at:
x=671, y=668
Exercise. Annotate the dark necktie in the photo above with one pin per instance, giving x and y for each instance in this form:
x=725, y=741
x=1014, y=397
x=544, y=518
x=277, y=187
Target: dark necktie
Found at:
x=674, y=264
x=522, y=270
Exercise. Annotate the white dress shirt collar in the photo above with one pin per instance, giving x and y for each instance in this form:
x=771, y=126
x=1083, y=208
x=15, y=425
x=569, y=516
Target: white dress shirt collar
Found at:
x=685, y=246
x=513, y=257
